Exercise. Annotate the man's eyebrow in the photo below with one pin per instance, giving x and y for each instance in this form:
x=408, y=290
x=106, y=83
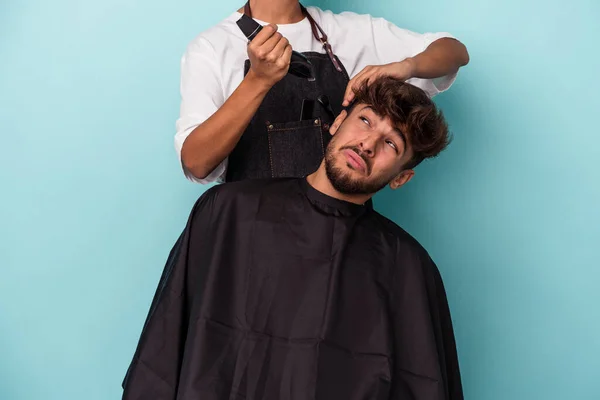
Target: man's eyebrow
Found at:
x=396, y=129
x=401, y=135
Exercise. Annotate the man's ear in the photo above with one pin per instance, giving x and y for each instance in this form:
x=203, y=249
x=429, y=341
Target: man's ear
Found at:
x=338, y=121
x=402, y=178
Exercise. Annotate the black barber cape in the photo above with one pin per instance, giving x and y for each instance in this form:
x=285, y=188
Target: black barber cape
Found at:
x=276, y=291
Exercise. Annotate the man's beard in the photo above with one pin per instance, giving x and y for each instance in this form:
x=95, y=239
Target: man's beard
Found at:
x=343, y=182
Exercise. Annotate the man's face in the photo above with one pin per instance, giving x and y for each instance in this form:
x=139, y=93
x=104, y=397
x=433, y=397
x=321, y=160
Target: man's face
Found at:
x=366, y=153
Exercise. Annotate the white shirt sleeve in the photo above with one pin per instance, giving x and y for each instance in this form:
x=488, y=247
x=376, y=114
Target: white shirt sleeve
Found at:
x=394, y=44
x=201, y=96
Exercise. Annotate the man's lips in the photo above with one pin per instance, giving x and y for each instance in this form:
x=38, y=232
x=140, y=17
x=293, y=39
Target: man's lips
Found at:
x=355, y=160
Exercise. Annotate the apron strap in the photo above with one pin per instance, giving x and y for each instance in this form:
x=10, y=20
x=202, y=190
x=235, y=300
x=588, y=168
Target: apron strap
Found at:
x=316, y=28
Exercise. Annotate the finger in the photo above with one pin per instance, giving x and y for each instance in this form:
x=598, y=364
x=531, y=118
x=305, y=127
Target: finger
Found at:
x=353, y=85
x=265, y=34
x=373, y=76
x=284, y=60
x=266, y=49
x=279, y=49
x=362, y=79
x=360, y=75
x=338, y=120
x=347, y=92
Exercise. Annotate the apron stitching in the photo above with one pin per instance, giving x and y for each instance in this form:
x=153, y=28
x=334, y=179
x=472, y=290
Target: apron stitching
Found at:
x=321, y=134
x=295, y=129
x=270, y=154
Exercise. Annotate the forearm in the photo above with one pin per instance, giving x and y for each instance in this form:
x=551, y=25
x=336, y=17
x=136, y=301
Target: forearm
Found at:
x=442, y=57
x=213, y=140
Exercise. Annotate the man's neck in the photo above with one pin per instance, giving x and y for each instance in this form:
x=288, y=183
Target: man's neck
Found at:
x=321, y=182
x=276, y=11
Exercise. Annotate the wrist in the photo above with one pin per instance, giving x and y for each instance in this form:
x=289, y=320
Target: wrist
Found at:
x=409, y=68
x=257, y=83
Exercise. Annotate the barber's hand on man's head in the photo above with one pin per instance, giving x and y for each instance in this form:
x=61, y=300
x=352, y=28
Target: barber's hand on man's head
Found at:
x=402, y=70
x=269, y=53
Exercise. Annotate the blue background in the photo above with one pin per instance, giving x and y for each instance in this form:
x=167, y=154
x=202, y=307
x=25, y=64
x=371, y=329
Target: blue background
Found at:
x=93, y=196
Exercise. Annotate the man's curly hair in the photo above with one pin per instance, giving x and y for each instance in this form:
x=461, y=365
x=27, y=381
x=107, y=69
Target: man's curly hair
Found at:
x=411, y=111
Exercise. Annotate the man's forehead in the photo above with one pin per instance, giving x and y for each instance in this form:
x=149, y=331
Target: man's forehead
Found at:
x=368, y=108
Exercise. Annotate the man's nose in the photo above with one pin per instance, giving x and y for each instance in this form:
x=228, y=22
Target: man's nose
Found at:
x=368, y=145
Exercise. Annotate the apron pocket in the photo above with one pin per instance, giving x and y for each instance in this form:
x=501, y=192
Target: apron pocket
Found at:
x=295, y=148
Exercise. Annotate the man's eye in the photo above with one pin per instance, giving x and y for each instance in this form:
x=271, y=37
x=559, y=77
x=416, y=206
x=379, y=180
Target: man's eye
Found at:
x=392, y=144
x=366, y=121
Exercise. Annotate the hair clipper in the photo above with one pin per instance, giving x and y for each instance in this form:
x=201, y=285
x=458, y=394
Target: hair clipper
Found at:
x=300, y=66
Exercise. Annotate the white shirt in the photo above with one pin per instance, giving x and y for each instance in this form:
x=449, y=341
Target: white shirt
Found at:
x=213, y=64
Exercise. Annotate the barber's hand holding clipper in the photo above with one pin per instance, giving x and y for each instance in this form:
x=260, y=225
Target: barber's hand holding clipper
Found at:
x=269, y=54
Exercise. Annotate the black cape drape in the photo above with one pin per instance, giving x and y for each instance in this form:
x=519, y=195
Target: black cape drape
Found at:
x=277, y=291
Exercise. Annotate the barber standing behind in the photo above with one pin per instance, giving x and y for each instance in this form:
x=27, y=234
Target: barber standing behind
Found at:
x=243, y=116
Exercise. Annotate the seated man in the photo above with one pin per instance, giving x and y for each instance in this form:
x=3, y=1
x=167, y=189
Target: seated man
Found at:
x=295, y=289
